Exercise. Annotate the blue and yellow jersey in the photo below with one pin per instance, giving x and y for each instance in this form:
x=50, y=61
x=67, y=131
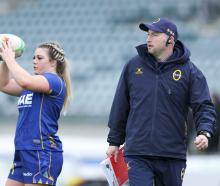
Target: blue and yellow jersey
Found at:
x=37, y=123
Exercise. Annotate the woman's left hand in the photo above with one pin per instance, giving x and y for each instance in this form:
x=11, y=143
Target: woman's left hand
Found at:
x=6, y=51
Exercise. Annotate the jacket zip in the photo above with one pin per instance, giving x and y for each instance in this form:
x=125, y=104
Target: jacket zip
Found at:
x=155, y=107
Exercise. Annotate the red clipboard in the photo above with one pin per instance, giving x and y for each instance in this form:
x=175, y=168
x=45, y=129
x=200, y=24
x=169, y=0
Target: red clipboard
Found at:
x=116, y=173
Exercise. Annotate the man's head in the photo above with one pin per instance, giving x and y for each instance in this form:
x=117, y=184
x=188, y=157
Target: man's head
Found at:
x=162, y=35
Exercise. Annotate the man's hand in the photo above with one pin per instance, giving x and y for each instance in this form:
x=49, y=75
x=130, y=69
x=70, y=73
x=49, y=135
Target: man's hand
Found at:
x=113, y=151
x=201, y=142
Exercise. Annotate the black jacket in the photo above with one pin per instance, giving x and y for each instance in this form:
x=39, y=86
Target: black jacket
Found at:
x=151, y=104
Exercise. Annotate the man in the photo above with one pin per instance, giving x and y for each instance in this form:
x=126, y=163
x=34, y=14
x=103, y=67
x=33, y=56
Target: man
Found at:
x=150, y=107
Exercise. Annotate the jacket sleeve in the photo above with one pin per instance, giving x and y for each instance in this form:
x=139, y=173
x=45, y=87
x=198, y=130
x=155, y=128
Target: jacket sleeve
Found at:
x=200, y=101
x=119, y=112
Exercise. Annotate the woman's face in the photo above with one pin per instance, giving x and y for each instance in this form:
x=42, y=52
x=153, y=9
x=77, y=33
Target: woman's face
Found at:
x=41, y=61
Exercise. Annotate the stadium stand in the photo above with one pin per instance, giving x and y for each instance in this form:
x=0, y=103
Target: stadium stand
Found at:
x=100, y=36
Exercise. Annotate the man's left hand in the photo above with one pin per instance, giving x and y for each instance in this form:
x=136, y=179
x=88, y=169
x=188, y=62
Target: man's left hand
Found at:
x=201, y=142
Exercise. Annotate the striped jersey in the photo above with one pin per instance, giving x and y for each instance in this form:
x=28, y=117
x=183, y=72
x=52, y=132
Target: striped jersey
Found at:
x=37, y=122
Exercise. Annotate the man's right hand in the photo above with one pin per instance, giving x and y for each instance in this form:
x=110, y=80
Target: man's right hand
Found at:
x=113, y=151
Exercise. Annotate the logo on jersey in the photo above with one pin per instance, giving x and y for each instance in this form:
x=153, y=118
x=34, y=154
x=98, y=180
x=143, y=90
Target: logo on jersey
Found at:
x=52, y=142
x=139, y=71
x=177, y=74
x=25, y=100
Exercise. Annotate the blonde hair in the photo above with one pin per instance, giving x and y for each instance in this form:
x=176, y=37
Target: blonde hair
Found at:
x=56, y=53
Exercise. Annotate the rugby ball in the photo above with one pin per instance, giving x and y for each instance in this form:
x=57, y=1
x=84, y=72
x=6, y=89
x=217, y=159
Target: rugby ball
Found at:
x=17, y=43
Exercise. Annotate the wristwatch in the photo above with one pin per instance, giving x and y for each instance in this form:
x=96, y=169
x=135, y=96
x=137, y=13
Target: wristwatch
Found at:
x=206, y=134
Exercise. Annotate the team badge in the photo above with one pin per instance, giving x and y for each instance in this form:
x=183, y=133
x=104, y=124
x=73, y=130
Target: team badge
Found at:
x=139, y=71
x=177, y=75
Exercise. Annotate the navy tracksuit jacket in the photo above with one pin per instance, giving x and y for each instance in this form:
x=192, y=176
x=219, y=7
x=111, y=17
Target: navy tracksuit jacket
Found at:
x=151, y=104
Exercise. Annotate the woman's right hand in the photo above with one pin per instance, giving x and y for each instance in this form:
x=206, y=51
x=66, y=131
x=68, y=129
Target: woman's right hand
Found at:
x=6, y=51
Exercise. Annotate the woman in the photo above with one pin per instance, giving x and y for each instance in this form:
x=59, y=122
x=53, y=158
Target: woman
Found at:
x=38, y=151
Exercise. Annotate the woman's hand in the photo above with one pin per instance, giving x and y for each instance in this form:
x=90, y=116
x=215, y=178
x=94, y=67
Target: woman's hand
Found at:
x=6, y=51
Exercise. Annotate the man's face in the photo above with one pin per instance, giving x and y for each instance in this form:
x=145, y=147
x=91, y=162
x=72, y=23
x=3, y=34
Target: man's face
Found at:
x=156, y=42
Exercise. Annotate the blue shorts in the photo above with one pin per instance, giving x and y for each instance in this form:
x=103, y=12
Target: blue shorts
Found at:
x=36, y=167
